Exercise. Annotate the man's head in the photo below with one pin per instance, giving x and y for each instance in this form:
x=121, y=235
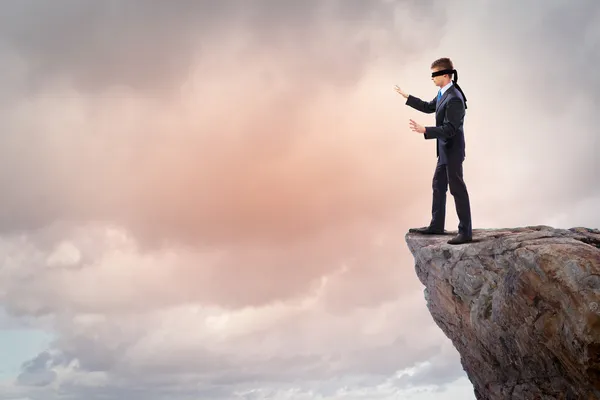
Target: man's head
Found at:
x=439, y=65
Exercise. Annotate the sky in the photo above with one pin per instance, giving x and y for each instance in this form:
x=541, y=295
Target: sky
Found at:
x=208, y=200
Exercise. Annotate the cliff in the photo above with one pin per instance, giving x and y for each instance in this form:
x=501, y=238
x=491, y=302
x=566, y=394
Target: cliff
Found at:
x=521, y=306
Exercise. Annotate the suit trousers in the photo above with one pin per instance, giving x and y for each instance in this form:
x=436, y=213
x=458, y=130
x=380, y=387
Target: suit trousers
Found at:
x=451, y=174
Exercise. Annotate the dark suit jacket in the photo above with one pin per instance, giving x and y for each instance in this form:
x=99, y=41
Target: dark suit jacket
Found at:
x=449, y=119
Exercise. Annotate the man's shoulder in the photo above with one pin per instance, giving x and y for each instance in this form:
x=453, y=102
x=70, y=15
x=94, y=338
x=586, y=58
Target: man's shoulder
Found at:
x=453, y=92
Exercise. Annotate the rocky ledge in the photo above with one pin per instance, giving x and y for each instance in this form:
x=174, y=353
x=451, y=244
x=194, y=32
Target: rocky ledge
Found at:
x=521, y=306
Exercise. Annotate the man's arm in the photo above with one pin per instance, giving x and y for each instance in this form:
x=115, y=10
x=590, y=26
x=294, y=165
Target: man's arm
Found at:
x=421, y=105
x=455, y=113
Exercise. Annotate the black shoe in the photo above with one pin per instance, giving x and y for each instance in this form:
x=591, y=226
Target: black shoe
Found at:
x=427, y=230
x=460, y=239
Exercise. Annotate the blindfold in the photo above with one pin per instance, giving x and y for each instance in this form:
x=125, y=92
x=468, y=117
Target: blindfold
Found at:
x=444, y=72
x=455, y=80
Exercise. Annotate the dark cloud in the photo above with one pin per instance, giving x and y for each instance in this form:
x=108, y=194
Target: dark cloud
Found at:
x=38, y=371
x=151, y=46
x=97, y=44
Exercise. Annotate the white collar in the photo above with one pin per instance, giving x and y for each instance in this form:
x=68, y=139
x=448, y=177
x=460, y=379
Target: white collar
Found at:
x=446, y=87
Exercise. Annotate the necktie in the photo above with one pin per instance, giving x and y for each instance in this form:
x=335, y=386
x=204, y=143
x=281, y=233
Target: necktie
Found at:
x=439, y=95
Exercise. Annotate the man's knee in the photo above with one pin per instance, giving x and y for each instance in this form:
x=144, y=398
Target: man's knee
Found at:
x=439, y=182
x=458, y=188
x=439, y=185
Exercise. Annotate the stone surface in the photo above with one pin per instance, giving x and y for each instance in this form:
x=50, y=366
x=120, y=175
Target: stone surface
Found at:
x=521, y=306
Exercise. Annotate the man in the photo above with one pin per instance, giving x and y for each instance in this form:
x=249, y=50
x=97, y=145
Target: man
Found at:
x=449, y=107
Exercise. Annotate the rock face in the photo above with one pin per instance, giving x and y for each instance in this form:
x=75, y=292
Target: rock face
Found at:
x=521, y=306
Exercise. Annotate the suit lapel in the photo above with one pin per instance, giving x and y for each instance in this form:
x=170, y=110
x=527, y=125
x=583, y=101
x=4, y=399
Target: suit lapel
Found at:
x=444, y=97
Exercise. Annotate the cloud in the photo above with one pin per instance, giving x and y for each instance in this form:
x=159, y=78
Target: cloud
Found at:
x=150, y=46
x=35, y=372
x=177, y=349
x=253, y=118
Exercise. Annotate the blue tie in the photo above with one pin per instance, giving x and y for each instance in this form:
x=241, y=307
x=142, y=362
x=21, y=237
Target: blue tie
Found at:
x=439, y=95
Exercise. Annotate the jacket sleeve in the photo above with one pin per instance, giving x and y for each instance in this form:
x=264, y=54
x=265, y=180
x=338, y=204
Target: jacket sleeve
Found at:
x=455, y=113
x=421, y=105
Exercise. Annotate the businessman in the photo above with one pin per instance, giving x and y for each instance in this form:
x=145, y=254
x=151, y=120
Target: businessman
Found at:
x=449, y=108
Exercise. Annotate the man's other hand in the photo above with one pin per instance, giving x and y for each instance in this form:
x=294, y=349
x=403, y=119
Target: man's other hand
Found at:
x=416, y=127
x=401, y=92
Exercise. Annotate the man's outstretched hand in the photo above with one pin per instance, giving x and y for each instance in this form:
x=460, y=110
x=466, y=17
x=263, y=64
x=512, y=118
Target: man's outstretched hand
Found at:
x=413, y=125
x=401, y=92
x=416, y=127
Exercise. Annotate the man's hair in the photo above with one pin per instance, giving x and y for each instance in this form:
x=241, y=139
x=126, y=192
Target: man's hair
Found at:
x=442, y=63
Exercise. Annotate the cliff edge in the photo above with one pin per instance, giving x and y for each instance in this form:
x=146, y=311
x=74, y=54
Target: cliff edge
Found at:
x=521, y=306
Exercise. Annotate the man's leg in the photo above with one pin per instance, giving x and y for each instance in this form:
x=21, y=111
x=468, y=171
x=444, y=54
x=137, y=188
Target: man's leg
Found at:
x=438, y=204
x=458, y=189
